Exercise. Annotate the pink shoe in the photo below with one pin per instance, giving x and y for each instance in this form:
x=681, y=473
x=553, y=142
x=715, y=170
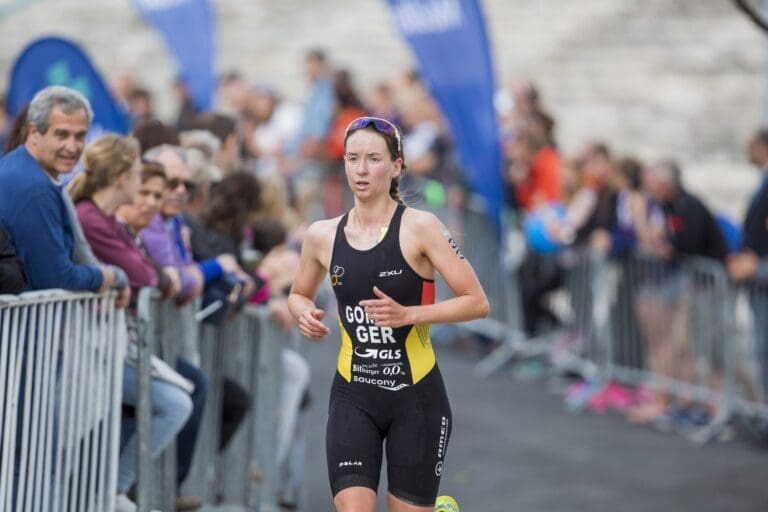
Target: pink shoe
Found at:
x=620, y=398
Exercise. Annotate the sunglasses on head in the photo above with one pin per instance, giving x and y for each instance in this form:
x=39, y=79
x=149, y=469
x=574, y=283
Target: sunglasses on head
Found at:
x=380, y=125
x=174, y=183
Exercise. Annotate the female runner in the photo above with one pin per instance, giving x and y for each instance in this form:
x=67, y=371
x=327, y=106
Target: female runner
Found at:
x=382, y=257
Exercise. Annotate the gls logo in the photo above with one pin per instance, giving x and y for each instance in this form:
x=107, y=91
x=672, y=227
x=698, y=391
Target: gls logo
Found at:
x=390, y=273
x=378, y=353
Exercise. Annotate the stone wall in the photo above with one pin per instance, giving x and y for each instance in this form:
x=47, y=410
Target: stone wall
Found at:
x=655, y=77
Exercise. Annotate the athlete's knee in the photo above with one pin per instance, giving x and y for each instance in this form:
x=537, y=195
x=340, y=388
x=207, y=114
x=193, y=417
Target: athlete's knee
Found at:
x=355, y=499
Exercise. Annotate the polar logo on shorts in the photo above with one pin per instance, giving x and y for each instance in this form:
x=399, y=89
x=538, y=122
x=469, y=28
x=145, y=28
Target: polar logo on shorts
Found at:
x=439, y=468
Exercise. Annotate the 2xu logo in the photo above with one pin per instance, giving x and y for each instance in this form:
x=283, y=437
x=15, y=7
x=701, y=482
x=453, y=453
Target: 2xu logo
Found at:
x=390, y=273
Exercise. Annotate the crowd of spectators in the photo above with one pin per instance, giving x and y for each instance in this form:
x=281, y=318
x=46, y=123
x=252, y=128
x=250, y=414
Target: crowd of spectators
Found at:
x=226, y=195
x=642, y=217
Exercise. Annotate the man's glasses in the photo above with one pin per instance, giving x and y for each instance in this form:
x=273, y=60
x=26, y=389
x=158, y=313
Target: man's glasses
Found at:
x=381, y=125
x=174, y=183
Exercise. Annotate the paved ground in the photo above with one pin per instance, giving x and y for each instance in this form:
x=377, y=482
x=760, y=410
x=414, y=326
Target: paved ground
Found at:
x=514, y=449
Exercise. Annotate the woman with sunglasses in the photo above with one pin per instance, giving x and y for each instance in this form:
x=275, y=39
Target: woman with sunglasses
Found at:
x=382, y=258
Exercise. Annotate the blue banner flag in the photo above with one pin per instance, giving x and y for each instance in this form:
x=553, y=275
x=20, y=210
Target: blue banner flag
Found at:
x=449, y=41
x=187, y=28
x=55, y=61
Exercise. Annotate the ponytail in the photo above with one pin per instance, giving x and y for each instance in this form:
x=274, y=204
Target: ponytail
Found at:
x=105, y=160
x=81, y=187
x=394, y=190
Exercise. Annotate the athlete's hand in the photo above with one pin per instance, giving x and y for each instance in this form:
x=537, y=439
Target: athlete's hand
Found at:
x=311, y=324
x=386, y=311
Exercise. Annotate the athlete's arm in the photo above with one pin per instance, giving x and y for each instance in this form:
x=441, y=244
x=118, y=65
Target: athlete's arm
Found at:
x=441, y=251
x=308, y=278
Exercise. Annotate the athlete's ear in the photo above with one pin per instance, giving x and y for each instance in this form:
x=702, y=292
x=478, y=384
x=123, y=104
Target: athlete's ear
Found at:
x=398, y=169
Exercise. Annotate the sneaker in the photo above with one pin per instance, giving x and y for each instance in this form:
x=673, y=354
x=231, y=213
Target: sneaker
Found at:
x=612, y=396
x=578, y=395
x=188, y=503
x=124, y=504
x=446, y=504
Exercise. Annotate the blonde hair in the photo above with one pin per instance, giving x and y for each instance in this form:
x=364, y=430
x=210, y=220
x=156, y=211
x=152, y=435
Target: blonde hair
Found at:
x=105, y=160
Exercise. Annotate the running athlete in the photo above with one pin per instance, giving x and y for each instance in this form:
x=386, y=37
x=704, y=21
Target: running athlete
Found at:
x=382, y=257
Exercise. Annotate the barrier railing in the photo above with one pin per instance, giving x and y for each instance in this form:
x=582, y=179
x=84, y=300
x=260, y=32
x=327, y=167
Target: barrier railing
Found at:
x=247, y=350
x=682, y=331
x=61, y=366
x=748, y=357
x=681, y=317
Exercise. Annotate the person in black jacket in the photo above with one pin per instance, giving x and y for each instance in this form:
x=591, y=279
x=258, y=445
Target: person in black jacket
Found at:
x=680, y=225
x=13, y=280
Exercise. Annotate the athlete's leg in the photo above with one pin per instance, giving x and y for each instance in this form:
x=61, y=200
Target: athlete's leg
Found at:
x=395, y=504
x=357, y=499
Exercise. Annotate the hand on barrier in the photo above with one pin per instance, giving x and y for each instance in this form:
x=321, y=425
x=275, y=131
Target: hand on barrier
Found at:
x=742, y=266
x=108, y=276
x=311, y=324
x=123, y=298
x=197, y=290
x=385, y=311
x=174, y=282
x=228, y=263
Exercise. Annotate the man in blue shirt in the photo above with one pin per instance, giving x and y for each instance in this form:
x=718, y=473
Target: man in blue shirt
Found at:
x=42, y=227
x=32, y=207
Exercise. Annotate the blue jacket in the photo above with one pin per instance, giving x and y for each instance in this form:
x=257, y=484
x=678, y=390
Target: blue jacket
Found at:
x=33, y=212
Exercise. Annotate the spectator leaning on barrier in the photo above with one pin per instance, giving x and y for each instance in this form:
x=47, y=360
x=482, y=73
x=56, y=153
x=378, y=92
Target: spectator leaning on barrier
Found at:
x=33, y=209
x=751, y=263
x=137, y=215
x=12, y=277
x=167, y=241
x=680, y=225
x=111, y=178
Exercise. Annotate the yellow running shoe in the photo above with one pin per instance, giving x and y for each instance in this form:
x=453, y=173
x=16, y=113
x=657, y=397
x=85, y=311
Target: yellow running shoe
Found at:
x=446, y=504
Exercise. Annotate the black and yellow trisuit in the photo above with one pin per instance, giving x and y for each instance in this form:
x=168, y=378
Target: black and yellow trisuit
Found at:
x=387, y=384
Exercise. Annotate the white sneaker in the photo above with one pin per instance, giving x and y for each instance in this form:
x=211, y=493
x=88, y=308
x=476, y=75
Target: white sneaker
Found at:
x=124, y=504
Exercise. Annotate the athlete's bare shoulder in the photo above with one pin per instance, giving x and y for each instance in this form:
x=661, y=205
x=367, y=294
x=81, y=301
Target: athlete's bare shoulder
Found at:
x=318, y=240
x=421, y=222
x=322, y=232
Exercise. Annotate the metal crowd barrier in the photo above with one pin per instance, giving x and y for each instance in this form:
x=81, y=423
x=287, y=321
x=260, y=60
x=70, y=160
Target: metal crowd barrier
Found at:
x=246, y=349
x=680, y=330
x=748, y=357
x=682, y=322
x=61, y=371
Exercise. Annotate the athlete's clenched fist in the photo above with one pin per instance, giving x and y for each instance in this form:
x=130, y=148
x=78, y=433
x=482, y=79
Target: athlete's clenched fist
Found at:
x=311, y=324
